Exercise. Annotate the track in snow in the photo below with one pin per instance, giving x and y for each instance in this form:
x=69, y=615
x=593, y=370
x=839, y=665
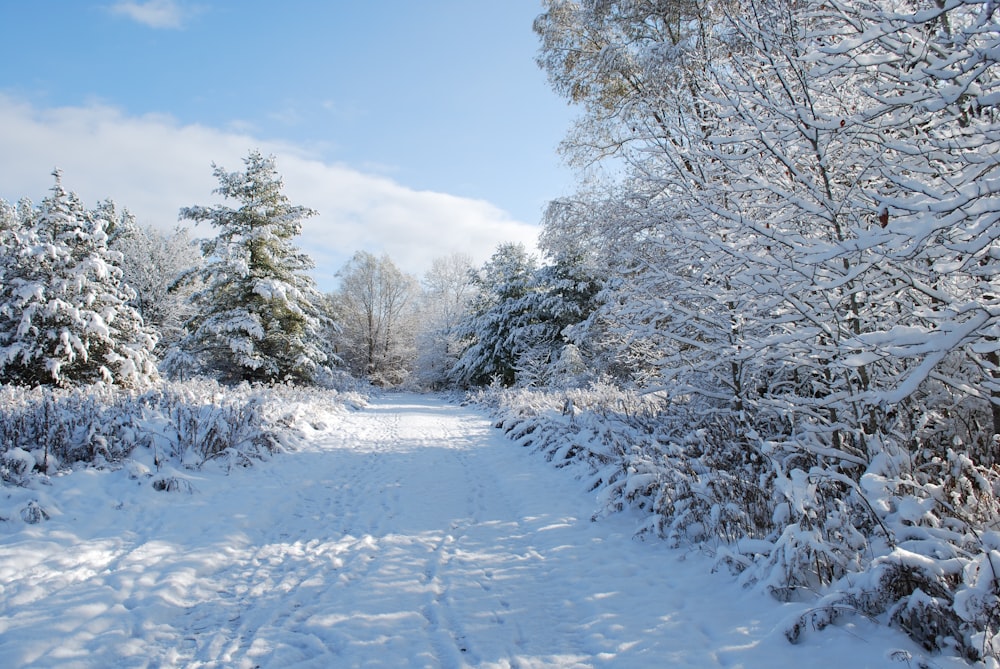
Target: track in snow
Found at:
x=410, y=534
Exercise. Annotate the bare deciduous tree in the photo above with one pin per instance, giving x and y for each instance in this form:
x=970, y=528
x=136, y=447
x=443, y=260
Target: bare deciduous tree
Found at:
x=374, y=309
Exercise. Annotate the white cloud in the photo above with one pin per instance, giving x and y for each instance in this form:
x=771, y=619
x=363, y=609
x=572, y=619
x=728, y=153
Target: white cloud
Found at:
x=154, y=166
x=152, y=13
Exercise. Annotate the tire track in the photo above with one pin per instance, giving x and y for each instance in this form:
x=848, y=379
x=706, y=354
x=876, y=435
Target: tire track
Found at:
x=265, y=596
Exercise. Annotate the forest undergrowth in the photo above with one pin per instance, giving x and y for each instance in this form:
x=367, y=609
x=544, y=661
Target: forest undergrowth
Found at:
x=908, y=539
x=160, y=434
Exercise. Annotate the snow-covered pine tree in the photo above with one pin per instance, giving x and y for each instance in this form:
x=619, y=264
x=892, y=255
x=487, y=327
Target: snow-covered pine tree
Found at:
x=8, y=218
x=9, y=225
x=257, y=311
x=495, y=331
x=563, y=294
x=65, y=317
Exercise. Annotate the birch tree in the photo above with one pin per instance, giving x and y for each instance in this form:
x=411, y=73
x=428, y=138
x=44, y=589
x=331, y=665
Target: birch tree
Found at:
x=444, y=302
x=374, y=307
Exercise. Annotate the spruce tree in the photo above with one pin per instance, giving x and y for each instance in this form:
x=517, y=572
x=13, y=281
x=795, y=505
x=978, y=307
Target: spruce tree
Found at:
x=500, y=324
x=65, y=317
x=257, y=317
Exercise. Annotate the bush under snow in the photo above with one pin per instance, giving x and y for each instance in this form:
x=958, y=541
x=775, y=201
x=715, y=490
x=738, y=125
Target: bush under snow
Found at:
x=911, y=540
x=173, y=426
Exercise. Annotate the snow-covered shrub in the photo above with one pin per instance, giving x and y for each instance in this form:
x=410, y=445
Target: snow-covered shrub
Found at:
x=173, y=484
x=903, y=539
x=977, y=603
x=692, y=484
x=33, y=513
x=59, y=427
x=16, y=465
x=201, y=420
x=45, y=430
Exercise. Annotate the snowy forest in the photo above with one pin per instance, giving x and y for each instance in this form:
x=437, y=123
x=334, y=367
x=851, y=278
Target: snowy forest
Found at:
x=767, y=319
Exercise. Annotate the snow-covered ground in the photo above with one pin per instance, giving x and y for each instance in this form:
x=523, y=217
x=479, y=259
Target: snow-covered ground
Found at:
x=409, y=534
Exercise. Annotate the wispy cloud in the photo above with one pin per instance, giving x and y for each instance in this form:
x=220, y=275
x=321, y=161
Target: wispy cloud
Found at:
x=154, y=166
x=152, y=13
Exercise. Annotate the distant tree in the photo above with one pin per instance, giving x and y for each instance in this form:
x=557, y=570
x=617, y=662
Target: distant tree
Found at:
x=257, y=311
x=373, y=307
x=498, y=328
x=330, y=339
x=151, y=262
x=447, y=292
x=8, y=218
x=9, y=225
x=65, y=317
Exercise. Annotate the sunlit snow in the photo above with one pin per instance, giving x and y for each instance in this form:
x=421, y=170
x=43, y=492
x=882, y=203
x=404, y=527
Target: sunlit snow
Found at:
x=408, y=534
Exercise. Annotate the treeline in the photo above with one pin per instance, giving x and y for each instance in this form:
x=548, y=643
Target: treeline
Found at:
x=91, y=295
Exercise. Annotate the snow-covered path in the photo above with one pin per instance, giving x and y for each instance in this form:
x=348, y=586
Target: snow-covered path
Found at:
x=410, y=534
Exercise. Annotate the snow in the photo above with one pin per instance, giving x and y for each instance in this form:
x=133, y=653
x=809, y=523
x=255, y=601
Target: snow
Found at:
x=408, y=534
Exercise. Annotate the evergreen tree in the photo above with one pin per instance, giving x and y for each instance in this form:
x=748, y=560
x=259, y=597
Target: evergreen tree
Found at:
x=565, y=295
x=65, y=317
x=9, y=225
x=257, y=311
x=496, y=332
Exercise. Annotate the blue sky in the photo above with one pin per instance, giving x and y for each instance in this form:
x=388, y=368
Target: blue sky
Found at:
x=416, y=128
